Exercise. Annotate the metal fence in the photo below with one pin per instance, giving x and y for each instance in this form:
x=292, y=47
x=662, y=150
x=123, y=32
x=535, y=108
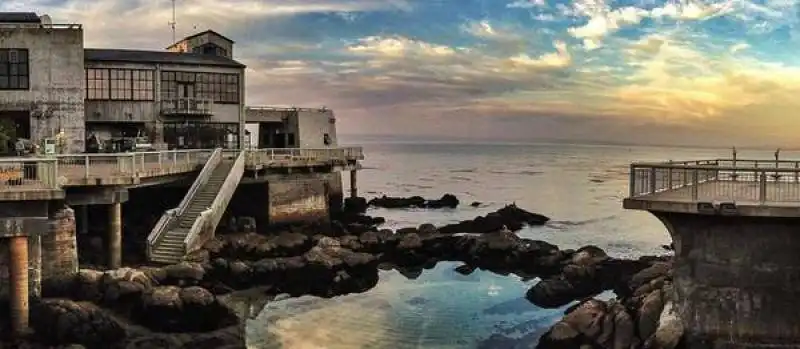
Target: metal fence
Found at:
x=38, y=173
x=718, y=180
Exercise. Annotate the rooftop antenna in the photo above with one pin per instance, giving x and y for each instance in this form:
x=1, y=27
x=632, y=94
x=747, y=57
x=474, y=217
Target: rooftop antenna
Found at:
x=172, y=24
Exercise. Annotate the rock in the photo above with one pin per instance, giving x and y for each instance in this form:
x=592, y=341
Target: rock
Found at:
x=465, y=269
x=650, y=312
x=670, y=330
x=446, y=201
x=355, y=205
x=184, y=273
x=476, y=204
x=58, y=321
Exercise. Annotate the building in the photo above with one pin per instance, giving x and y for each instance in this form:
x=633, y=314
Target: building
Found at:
x=290, y=127
x=51, y=87
x=41, y=81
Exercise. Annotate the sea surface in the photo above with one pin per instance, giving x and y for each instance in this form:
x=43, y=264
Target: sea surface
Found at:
x=580, y=187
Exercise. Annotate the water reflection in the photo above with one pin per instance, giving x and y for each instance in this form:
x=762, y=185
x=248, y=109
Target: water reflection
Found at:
x=439, y=309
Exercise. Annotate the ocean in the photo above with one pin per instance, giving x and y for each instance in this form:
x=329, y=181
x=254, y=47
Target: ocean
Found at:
x=580, y=187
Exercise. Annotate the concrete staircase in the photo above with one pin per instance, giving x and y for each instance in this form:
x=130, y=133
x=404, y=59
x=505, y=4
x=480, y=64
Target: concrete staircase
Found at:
x=170, y=246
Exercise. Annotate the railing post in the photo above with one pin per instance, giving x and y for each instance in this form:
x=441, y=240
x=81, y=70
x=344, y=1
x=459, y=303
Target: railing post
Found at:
x=652, y=180
x=160, y=165
x=695, y=184
x=174, y=158
x=85, y=166
x=796, y=170
x=669, y=178
x=762, y=188
x=632, y=182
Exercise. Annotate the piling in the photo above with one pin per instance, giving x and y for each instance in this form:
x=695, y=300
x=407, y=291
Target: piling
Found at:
x=18, y=270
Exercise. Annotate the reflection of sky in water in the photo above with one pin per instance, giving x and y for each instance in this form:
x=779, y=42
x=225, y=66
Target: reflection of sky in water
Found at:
x=579, y=187
x=440, y=309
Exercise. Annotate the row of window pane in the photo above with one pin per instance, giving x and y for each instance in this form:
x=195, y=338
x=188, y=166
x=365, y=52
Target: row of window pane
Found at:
x=221, y=88
x=201, y=135
x=120, y=84
x=14, y=69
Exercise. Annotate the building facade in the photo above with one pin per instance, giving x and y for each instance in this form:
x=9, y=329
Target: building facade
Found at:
x=41, y=82
x=175, y=100
x=289, y=127
x=189, y=96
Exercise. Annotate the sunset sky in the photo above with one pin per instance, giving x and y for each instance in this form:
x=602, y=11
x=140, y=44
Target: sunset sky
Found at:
x=688, y=72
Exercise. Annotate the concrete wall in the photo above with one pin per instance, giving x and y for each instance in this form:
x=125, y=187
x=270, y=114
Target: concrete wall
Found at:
x=59, y=244
x=311, y=127
x=296, y=200
x=737, y=279
x=149, y=112
x=286, y=199
x=56, y=95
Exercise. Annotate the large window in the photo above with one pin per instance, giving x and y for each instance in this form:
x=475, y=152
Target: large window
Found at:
x=218, y=87
x=120, y=84
x=201, y=135
x=14, y=69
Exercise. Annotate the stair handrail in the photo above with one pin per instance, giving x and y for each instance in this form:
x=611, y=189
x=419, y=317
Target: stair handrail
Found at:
x=210, y=217
x=170, y=216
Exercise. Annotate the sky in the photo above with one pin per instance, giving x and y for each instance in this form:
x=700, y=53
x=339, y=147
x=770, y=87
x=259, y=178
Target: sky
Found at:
x=690, y=72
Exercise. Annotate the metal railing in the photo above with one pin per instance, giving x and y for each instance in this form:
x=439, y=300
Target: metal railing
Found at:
x=169, y=217
x=267, y=156
x=28, y=174
x=278, y=108
x=205, y=224
x=718, y=180
x=187, y=106
x=74, y=166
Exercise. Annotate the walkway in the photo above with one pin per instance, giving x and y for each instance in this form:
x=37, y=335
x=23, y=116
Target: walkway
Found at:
x=28, y=174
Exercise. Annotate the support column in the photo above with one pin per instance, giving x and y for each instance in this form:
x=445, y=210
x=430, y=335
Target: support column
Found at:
x=735, y=279
x=115, y=236
x=353, y=184
x=18, y=272
x=84, y=211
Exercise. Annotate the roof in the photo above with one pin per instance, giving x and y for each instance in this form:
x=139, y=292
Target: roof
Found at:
x=19, y=17
x=165, y=57
x=203, y=33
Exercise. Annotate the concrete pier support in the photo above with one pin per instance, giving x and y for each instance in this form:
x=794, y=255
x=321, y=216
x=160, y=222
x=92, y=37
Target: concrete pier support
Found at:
x=737, y=279
x=84, y=220
x=353, y=183
x=115, y=235
x=18, y=277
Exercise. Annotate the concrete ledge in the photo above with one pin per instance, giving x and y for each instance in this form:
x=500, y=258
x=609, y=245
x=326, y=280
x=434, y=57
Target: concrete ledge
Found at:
x=750, y=209
x=32, y=195
x=96, y=196
x=23, y=226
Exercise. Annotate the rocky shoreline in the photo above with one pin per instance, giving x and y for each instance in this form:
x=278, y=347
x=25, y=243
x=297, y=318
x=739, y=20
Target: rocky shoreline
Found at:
x=183, y=306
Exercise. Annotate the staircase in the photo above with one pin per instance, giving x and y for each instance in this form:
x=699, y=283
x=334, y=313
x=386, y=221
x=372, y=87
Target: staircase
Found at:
x=172, y=248
x=186, y=228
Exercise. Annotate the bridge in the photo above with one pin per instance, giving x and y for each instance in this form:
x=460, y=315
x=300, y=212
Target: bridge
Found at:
x=735, y=225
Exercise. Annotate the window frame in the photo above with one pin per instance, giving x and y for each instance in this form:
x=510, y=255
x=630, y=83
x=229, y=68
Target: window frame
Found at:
x=221, y=88
x=6, y=65
x=120, y=84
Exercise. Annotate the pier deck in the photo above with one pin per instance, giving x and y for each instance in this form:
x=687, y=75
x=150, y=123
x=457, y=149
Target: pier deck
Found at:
x=759, y=186
x=26, y=178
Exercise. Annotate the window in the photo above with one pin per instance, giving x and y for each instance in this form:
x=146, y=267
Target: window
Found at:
x=201, y=135
x=119, y=84
x=14, y=69
x=221, y=88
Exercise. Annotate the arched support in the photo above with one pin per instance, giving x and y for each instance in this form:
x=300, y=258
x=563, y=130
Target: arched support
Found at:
x=737, y=279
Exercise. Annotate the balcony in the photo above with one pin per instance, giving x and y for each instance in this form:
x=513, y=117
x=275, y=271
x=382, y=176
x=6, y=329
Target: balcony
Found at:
x=187, y=107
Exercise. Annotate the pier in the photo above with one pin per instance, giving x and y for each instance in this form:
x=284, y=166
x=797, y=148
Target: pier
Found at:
x=37, y=224
x=734, y=224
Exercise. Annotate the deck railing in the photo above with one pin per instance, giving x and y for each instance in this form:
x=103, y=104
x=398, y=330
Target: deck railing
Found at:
x=46, y=173
x=277, y=155
x=719, y=179
x=17, y=174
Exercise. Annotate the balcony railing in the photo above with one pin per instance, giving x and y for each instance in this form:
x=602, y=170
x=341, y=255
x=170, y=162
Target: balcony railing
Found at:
x=740, y=180
x=187, y=106
x=53, y=173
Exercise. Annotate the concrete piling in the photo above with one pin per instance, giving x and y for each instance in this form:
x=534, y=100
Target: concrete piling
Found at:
x=115, y=236
x=353, y=184
x=18, y=270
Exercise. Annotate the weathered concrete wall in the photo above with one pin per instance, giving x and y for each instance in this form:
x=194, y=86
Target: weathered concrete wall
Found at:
x=737, y=279
x=59, y=244
x=56, y=94
x=294, y=200
x=312, y=127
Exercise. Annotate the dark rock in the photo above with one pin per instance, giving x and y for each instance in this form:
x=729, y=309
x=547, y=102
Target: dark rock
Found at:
x=58, y=321
x=446, y=201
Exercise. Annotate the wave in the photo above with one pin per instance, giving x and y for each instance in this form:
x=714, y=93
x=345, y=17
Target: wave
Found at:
x=517, y=173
